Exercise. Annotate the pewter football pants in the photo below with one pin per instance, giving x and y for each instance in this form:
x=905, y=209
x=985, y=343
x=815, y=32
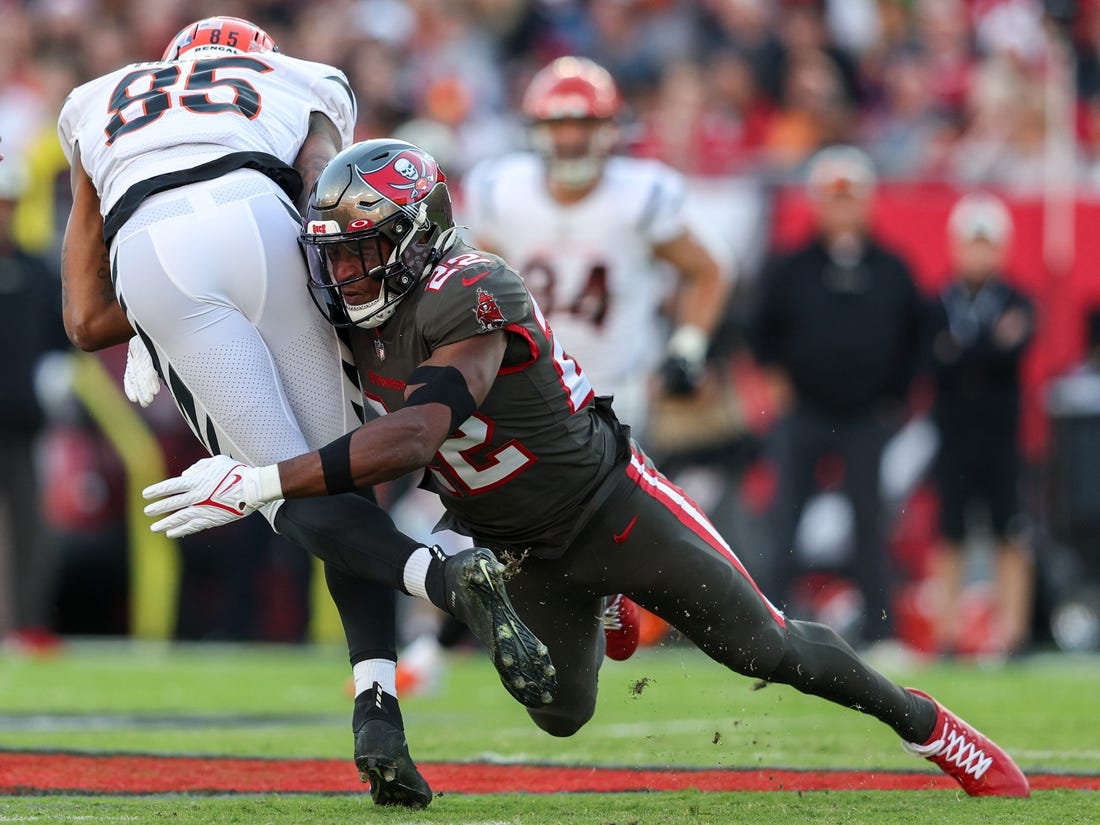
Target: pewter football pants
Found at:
x=651, y=542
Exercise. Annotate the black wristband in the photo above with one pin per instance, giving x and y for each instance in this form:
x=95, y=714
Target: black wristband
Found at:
x=336, y=465
x=442, y=385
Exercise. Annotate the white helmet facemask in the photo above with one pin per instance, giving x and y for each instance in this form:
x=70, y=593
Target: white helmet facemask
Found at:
x=575, y=172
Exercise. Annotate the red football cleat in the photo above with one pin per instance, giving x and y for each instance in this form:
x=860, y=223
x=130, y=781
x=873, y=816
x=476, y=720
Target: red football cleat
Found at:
x=971, y=758
x=622, y=621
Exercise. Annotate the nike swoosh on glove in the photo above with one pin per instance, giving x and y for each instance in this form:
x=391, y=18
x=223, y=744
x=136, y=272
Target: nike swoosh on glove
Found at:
x=209, y=493
x=140, y=382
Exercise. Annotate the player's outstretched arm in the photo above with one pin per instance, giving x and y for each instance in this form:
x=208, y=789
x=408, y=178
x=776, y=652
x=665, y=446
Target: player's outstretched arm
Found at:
x=93, y=318
x=699, y=305
x=441, y=393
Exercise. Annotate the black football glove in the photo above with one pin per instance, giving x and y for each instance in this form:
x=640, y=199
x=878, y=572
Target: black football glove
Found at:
x=682, y=371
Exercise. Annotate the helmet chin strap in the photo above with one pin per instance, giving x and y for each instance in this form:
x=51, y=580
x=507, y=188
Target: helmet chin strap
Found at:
x=373, y=313
x=439, y=247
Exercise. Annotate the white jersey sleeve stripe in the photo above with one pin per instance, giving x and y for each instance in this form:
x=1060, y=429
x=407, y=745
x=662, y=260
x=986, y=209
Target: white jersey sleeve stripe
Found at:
x=573, y=379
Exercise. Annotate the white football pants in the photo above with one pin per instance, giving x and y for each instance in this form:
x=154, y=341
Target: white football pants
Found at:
x=211, y=274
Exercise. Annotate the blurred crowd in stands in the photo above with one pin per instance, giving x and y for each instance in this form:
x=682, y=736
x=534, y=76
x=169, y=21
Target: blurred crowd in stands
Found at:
x=946, y=89
x=996, y=94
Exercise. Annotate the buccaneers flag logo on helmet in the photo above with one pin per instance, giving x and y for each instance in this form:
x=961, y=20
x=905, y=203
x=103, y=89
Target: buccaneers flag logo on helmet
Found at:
x=407, y=178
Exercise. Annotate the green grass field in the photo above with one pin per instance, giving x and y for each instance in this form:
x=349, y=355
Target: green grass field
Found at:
x=290, y=702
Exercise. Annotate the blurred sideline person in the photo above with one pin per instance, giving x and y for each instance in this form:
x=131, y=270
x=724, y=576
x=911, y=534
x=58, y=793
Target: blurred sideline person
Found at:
x=182, y=169
x=602, y=241
x=531, y=462
x=837, y=329
x=30, y=328
x=980, y=328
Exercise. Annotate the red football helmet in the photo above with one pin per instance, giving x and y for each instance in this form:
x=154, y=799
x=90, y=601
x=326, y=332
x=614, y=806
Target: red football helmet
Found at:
x=571, y=104
x=571, y=88
x=219, y=35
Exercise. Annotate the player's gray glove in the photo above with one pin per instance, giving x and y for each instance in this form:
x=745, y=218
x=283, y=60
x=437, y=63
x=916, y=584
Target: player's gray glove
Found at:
x=682, y=371
x=209, y=493
x=140, y=382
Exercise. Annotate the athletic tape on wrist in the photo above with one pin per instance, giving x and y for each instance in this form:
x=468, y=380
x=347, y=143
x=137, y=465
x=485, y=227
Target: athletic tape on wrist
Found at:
x=270, y=483
x=442, y=385
x=336, y=465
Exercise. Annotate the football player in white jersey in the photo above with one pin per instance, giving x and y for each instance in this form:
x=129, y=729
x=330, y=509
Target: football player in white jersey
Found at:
x=188, y=174
x=596, y=236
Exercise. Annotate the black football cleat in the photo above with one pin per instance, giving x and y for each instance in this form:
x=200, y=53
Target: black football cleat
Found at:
x=382, y=754
x=475, y=595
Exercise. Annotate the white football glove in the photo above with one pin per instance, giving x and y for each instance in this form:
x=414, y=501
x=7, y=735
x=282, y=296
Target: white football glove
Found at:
x=209, y=493
x=140, y=381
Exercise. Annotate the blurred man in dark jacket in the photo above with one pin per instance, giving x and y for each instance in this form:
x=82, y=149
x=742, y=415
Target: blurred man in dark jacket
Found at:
x=980, y=328
x=30, y=326
x=837, y=329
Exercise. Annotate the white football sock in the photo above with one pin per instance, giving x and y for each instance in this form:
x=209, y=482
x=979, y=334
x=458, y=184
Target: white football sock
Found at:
x=416, y=571
x=367, y=672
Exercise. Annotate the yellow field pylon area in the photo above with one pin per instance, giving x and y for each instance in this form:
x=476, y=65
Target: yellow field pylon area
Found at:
x=324, y=621
x=154, y=559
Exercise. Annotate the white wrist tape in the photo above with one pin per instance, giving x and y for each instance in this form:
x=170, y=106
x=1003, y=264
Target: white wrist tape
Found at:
x=271, y=485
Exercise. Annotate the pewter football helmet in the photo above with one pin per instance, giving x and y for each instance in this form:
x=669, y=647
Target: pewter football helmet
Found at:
x=386, y=203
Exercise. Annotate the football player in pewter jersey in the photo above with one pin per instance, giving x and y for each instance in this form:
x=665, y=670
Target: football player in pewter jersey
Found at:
x=187, y=177
x=531, y=463
x=601, y=239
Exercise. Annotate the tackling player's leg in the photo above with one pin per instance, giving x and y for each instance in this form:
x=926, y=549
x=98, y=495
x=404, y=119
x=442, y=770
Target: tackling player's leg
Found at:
x=676, y=565
x=360, y=539
x=569, y=619
x=475, y=594
x=382, y=754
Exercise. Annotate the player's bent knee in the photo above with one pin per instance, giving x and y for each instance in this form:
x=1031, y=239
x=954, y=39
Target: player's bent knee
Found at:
x=561, y=721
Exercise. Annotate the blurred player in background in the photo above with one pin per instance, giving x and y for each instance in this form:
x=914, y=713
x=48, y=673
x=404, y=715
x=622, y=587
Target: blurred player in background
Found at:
x=187, y=177
x=602, y=240
x=837, y=332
